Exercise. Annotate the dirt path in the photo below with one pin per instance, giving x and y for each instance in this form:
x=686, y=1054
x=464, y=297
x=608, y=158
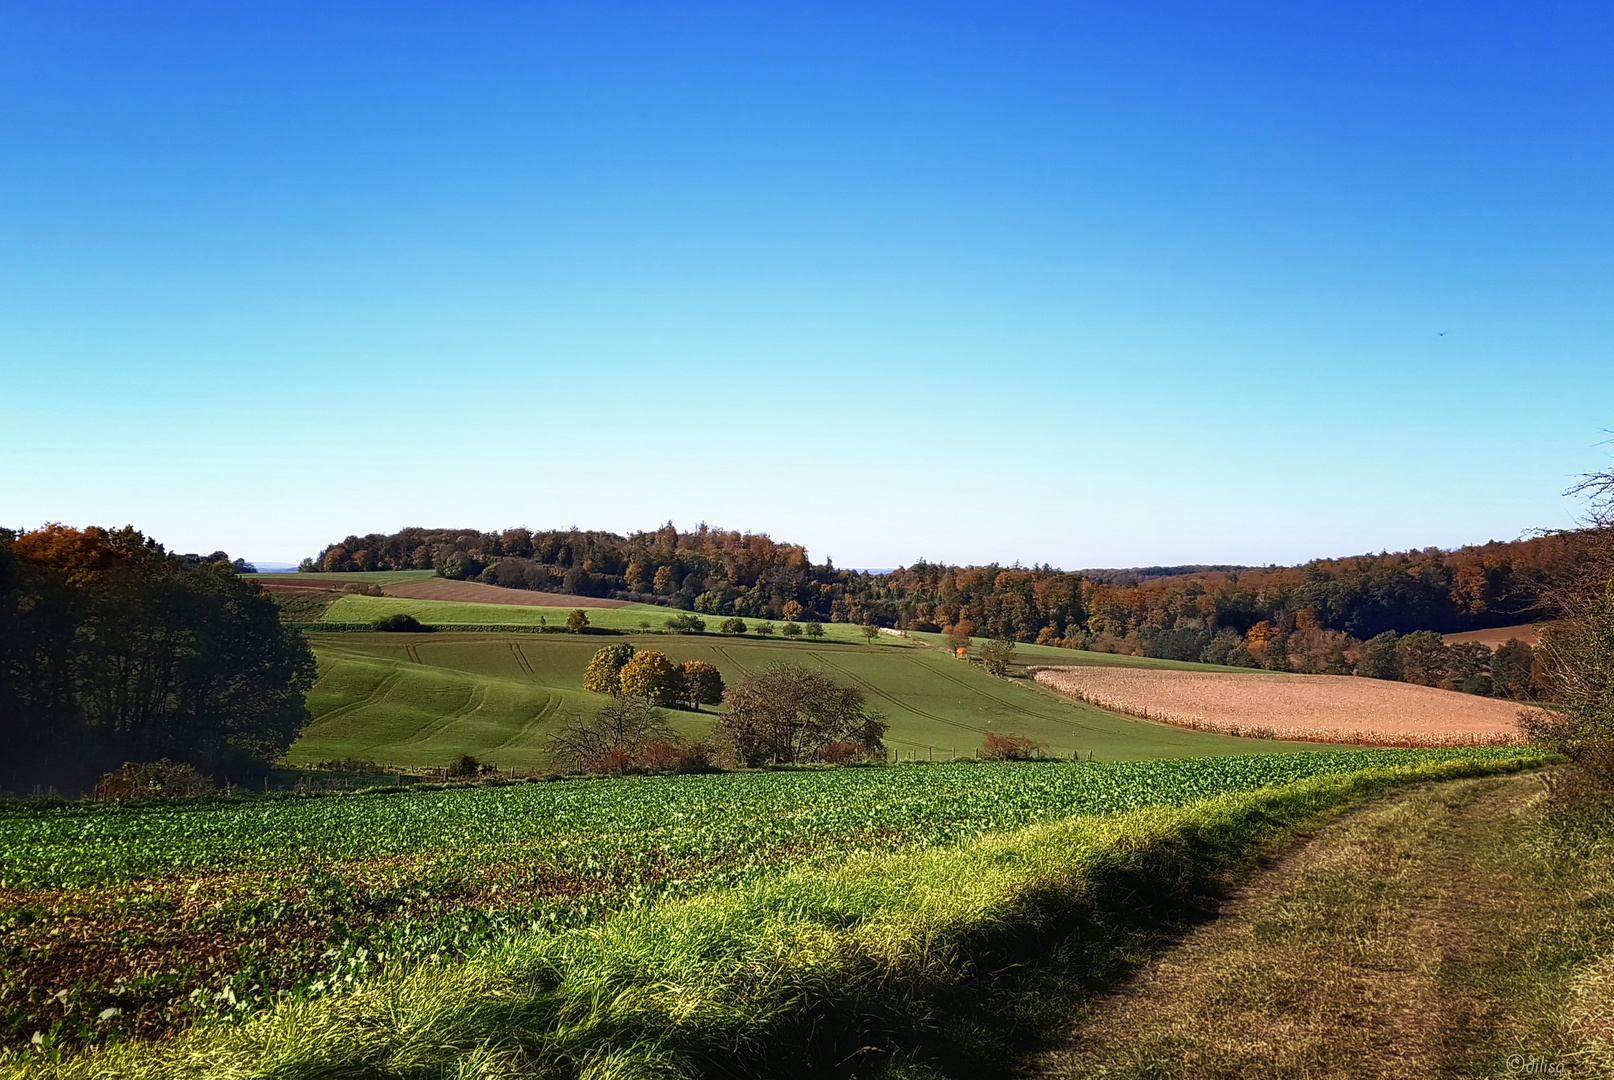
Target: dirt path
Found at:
x=1418, y=936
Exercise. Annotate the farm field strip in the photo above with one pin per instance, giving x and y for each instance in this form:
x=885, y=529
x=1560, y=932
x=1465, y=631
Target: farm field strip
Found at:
x=173, y=912
x=1318, y=708
x=932, y=699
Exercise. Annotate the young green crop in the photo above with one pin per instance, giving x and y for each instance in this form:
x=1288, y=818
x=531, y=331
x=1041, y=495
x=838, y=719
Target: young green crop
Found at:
x=167, y=912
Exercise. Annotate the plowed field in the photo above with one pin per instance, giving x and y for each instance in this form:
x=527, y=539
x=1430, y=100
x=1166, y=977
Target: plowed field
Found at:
x=476, y=593
x=1312, y=708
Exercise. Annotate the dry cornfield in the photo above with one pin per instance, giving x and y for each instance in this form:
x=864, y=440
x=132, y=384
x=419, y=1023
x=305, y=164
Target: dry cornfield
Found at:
x=1308, y=708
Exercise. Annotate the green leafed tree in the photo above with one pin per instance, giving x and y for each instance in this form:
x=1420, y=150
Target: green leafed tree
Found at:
x=997, y=655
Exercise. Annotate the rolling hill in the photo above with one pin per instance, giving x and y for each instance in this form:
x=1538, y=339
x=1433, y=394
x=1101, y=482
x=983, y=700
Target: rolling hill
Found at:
x=421, y=699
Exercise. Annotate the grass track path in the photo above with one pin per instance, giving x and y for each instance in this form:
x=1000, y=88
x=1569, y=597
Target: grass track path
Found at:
x=1406, y=938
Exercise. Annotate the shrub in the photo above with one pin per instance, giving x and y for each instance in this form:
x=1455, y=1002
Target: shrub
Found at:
x=152, y=780
x=1010, y=748
x=997, y=655
x=791, y=629
x=465, y=766
x=692, y=624
x=732, y=626
x=815, y=630
x=401, y=623
x=613, y=739
x=604, y=674
x=839, y=753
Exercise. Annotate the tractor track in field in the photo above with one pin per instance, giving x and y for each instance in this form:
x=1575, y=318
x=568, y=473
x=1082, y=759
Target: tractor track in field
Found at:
x=414, y=653
x=550, y=708
x=905, y=706
x=473, y=702
x=376, y=695
x=724, y=653
x=1016, y=706
x=521, y=658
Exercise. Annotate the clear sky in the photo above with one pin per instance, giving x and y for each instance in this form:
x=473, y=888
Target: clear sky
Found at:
x=1085, y=284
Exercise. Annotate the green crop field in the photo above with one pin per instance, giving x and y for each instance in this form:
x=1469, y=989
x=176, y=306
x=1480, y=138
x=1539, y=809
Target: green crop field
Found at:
x=629, y=618
x=421, y=699
x=120, y=920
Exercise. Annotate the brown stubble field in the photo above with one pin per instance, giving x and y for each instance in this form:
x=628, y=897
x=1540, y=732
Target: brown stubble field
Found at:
x=1310, y=708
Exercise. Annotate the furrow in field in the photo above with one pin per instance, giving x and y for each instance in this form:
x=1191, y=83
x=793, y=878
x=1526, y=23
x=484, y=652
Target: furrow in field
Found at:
x=382, y=688
x=473, y=702
x=550, y=707
x=898, y=702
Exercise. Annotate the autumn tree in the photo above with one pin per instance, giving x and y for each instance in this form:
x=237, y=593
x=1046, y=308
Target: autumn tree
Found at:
x=871, y=632
x=788, y=713
x=611, y=739
x=114, y=650
x=702, y=683
x=651, y=676
x=604, y=672
x=576, y=621
x=792, y=610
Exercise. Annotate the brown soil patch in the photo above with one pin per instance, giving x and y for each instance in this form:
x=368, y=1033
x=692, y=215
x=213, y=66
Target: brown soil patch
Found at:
x=477, y=593
x=1309, y=708
x=1529, y=633
x=300, y=586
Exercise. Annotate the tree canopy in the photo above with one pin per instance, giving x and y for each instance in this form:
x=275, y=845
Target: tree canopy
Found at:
x=788, y=713
x=112, y=649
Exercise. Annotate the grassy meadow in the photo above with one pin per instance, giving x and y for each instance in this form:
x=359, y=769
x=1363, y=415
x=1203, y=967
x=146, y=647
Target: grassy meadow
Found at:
x=420, y=699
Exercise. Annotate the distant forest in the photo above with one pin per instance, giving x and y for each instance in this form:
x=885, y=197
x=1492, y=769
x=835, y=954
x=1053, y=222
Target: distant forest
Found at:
x=1152, y=611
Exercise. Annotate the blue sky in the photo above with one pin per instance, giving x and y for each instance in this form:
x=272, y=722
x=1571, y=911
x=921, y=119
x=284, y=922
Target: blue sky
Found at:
x=1092, y=285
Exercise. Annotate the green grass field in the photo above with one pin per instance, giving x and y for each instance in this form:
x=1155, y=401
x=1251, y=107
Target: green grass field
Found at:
x=421, y=699
x=942, y=920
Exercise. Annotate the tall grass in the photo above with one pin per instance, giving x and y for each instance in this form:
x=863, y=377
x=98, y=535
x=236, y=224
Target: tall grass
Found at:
x=949, y=961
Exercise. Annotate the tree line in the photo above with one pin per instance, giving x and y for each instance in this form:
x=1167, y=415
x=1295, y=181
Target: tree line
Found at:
x=113, y=649
x=1157, y=611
